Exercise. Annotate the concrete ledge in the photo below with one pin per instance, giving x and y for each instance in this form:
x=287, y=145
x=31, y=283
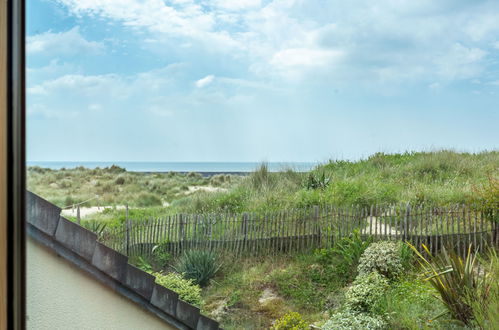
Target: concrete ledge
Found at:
x=80, y=246
x=77, y=238
x=42, y=214
x=140, y=281
x=111, y=262
x=205, y=323
x=188, y=314
x=165, y=299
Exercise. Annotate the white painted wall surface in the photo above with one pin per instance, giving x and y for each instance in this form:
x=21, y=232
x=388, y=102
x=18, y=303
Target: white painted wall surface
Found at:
x=60, y=296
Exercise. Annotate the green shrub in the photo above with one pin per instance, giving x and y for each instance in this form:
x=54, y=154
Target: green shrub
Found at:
x=194, y=175
x=147, y=199
x=349, y=250
x=217, y=180
x=343, y=258
x=69, y=200
x=350, y=320
x=198, y=265
x=187, y=290
x=232, y=202
x=487, y=197
x=366, y=291
x=290, y=321
x=382, y=257
x=143, y=264
x=120, y=180
x=411, y=304
x=161, y=255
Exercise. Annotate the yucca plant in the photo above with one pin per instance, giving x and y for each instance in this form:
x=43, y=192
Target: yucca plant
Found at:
x=317, y=181
x=95, y=226
x=198, y=265
x=458, y=281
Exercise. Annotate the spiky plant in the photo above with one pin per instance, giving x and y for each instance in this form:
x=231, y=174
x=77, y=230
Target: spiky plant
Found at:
x=198, y=265
x=458, y=281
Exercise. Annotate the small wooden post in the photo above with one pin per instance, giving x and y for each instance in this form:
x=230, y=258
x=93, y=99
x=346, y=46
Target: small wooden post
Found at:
x=317, y=226
x=406, y=220
x=245, y=231
x=127, y=232
x=181, y=232
x=78, y=218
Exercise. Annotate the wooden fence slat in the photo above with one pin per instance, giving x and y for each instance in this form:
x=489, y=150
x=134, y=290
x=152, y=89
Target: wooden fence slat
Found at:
x=463, y=235
x=470, y=236
x=371, y=221
x=482, y=241
x=304, y=229
x=299, y=225
x=281, y=231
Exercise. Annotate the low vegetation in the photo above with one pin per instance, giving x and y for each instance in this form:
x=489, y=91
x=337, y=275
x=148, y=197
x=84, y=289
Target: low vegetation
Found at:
x=187, y=290
x=440, y=178
x=115, y=186
x=355, y=284
x=200, y=266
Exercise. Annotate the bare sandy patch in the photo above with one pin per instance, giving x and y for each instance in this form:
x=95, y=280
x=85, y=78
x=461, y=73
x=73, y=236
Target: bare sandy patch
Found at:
x=86, y=211
x=268, y=297
x=193, y=189
x=377, y=227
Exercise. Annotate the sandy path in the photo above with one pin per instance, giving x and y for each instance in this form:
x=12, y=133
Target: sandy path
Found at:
x=86, y=211
x=378, y=227
x=193, y=189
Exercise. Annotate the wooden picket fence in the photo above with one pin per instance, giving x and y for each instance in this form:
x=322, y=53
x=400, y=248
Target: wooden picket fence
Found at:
x=301, y=230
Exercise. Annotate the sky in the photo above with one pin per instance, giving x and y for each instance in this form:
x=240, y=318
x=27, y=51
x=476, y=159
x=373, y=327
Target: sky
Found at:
x=259, y=80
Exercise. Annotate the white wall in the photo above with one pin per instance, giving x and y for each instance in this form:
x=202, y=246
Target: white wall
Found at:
x=60, y=296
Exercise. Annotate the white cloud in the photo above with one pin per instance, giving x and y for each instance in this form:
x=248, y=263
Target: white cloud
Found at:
x=205, y=81
x=159, y=92
x=387, y=41
x=181, y=19
x=460, y=62
x=238, y=4
x=52, y=70
x=70, y=42
x=304, y=57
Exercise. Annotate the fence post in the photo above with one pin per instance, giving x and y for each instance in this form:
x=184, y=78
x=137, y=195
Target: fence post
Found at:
x=317, y=225
x=127, y=232
x=245, y=230
x=181, y=232
x=406, y=220
x=78, y=218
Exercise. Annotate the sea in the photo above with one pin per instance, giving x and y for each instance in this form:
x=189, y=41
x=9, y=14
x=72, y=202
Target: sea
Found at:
x=200, y=167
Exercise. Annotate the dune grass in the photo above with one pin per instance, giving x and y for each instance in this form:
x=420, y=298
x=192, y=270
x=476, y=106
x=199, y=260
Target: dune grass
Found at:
x=440, y=178
x=116, y=186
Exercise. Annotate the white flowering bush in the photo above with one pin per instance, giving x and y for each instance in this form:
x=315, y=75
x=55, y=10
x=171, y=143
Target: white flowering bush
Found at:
x=382, y=257
x=351, y=320
x=365, y=291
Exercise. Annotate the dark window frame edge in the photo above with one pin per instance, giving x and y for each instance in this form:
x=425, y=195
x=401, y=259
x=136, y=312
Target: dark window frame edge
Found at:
x=16, y=165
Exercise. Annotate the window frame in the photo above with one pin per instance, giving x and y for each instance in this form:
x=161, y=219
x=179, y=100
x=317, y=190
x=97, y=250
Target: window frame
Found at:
x=13, y=224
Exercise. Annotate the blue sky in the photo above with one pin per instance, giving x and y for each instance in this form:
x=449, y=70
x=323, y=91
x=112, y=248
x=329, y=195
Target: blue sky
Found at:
x=255, y=80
